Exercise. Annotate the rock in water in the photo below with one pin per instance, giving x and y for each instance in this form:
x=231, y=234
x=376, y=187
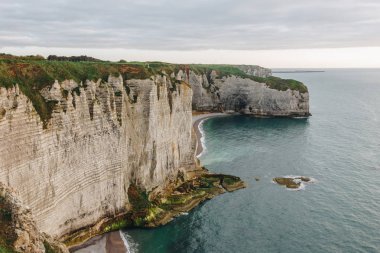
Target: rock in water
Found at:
x=291, y=182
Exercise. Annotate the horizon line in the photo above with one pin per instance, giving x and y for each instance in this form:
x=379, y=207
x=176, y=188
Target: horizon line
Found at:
x=325, y=58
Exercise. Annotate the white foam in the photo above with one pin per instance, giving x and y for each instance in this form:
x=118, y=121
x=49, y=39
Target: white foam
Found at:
x=128, y=242
x=297, y=179
x=300, y=188
x=203, y=140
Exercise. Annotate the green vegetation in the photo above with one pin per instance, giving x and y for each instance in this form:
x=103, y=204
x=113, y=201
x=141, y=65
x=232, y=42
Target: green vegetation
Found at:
x=72, y=58
x=116, y=226
x=139, y=200
x=5, y=249
x=229, y=181
x=229, y=70
x=32, y=73
x=284, y=84
x=48, y=248
x=222, y=70
x=150, y=210
x=182, y=199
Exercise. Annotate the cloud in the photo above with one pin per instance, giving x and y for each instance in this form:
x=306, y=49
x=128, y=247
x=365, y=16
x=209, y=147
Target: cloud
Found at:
x=190, y=25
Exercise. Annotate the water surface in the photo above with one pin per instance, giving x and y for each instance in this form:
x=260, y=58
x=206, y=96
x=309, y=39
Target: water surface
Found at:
x=339, y=146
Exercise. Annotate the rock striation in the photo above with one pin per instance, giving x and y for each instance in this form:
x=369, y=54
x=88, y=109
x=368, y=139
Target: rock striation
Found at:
x=245, y=95
x=79, y=153
x=97, y=143
x=19, y=229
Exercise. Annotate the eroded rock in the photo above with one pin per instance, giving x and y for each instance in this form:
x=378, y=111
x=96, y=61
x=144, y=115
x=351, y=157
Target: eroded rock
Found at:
x=18, y=230
x=150, y=210
x=291, y=182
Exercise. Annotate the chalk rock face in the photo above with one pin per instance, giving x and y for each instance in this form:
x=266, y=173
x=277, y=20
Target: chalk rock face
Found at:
x=250, y=97
x=244, y=95
x=254, y=70
x=18, y=226
x=102, y=137
x=74, y=168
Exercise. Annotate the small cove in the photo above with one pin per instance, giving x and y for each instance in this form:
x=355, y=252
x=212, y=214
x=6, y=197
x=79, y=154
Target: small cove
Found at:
x=339, y=146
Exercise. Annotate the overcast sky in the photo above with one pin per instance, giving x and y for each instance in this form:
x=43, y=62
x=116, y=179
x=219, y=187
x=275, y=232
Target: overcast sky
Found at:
x=232, y=31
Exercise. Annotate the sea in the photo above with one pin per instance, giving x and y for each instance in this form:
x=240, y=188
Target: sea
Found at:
x=338, y=147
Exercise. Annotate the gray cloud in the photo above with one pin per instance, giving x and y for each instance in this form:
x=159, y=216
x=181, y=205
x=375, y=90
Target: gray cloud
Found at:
x=190, y=25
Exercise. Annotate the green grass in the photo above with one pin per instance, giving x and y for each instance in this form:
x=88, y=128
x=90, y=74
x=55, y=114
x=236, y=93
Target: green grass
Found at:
x=4, y=249
x=284, y=84
x=230, y=181
x=229, y=70
x=184, y=198
x=32, y=73
x=48, y=248
x=116, y=226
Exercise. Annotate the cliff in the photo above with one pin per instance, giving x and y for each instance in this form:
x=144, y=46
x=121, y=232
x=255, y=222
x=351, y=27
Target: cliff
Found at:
x=18, y=229
x=88, y=144
x=96, y=144
x=253, y=92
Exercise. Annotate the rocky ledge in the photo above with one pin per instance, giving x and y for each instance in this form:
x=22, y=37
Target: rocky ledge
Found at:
x=150, y=210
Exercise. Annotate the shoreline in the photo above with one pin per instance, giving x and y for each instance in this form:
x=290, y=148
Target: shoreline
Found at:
x=114, y=241
x=198, y=120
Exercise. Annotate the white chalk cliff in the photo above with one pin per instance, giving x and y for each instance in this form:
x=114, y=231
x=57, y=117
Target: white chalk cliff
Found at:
x=78, y=168
x=237, y=94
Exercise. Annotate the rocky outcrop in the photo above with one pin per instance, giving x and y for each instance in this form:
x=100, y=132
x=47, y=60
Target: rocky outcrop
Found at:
x=19, y=229
x=182, y=197
x=244, y=95
x=293, y=182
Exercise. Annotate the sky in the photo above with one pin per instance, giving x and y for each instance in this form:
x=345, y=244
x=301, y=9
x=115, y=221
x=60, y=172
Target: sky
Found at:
x=271, y=33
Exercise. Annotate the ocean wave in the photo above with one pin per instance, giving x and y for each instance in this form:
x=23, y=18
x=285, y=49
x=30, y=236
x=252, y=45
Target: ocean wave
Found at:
x=202, y=139
x=130, y=244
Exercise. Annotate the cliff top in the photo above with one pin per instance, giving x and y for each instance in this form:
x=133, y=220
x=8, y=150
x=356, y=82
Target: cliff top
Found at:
x=33, y=73
x=37, y=72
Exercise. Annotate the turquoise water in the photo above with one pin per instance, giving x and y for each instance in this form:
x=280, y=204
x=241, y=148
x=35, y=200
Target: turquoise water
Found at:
x=339, y=146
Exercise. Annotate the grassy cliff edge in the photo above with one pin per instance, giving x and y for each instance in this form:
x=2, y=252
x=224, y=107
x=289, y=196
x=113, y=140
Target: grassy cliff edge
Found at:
x=33, y=73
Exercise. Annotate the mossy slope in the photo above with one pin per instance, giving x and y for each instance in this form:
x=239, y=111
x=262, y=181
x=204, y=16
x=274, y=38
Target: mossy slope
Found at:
x=148, y=210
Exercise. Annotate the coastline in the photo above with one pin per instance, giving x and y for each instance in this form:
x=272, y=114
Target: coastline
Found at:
x=114, y=242
x=198, y=120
